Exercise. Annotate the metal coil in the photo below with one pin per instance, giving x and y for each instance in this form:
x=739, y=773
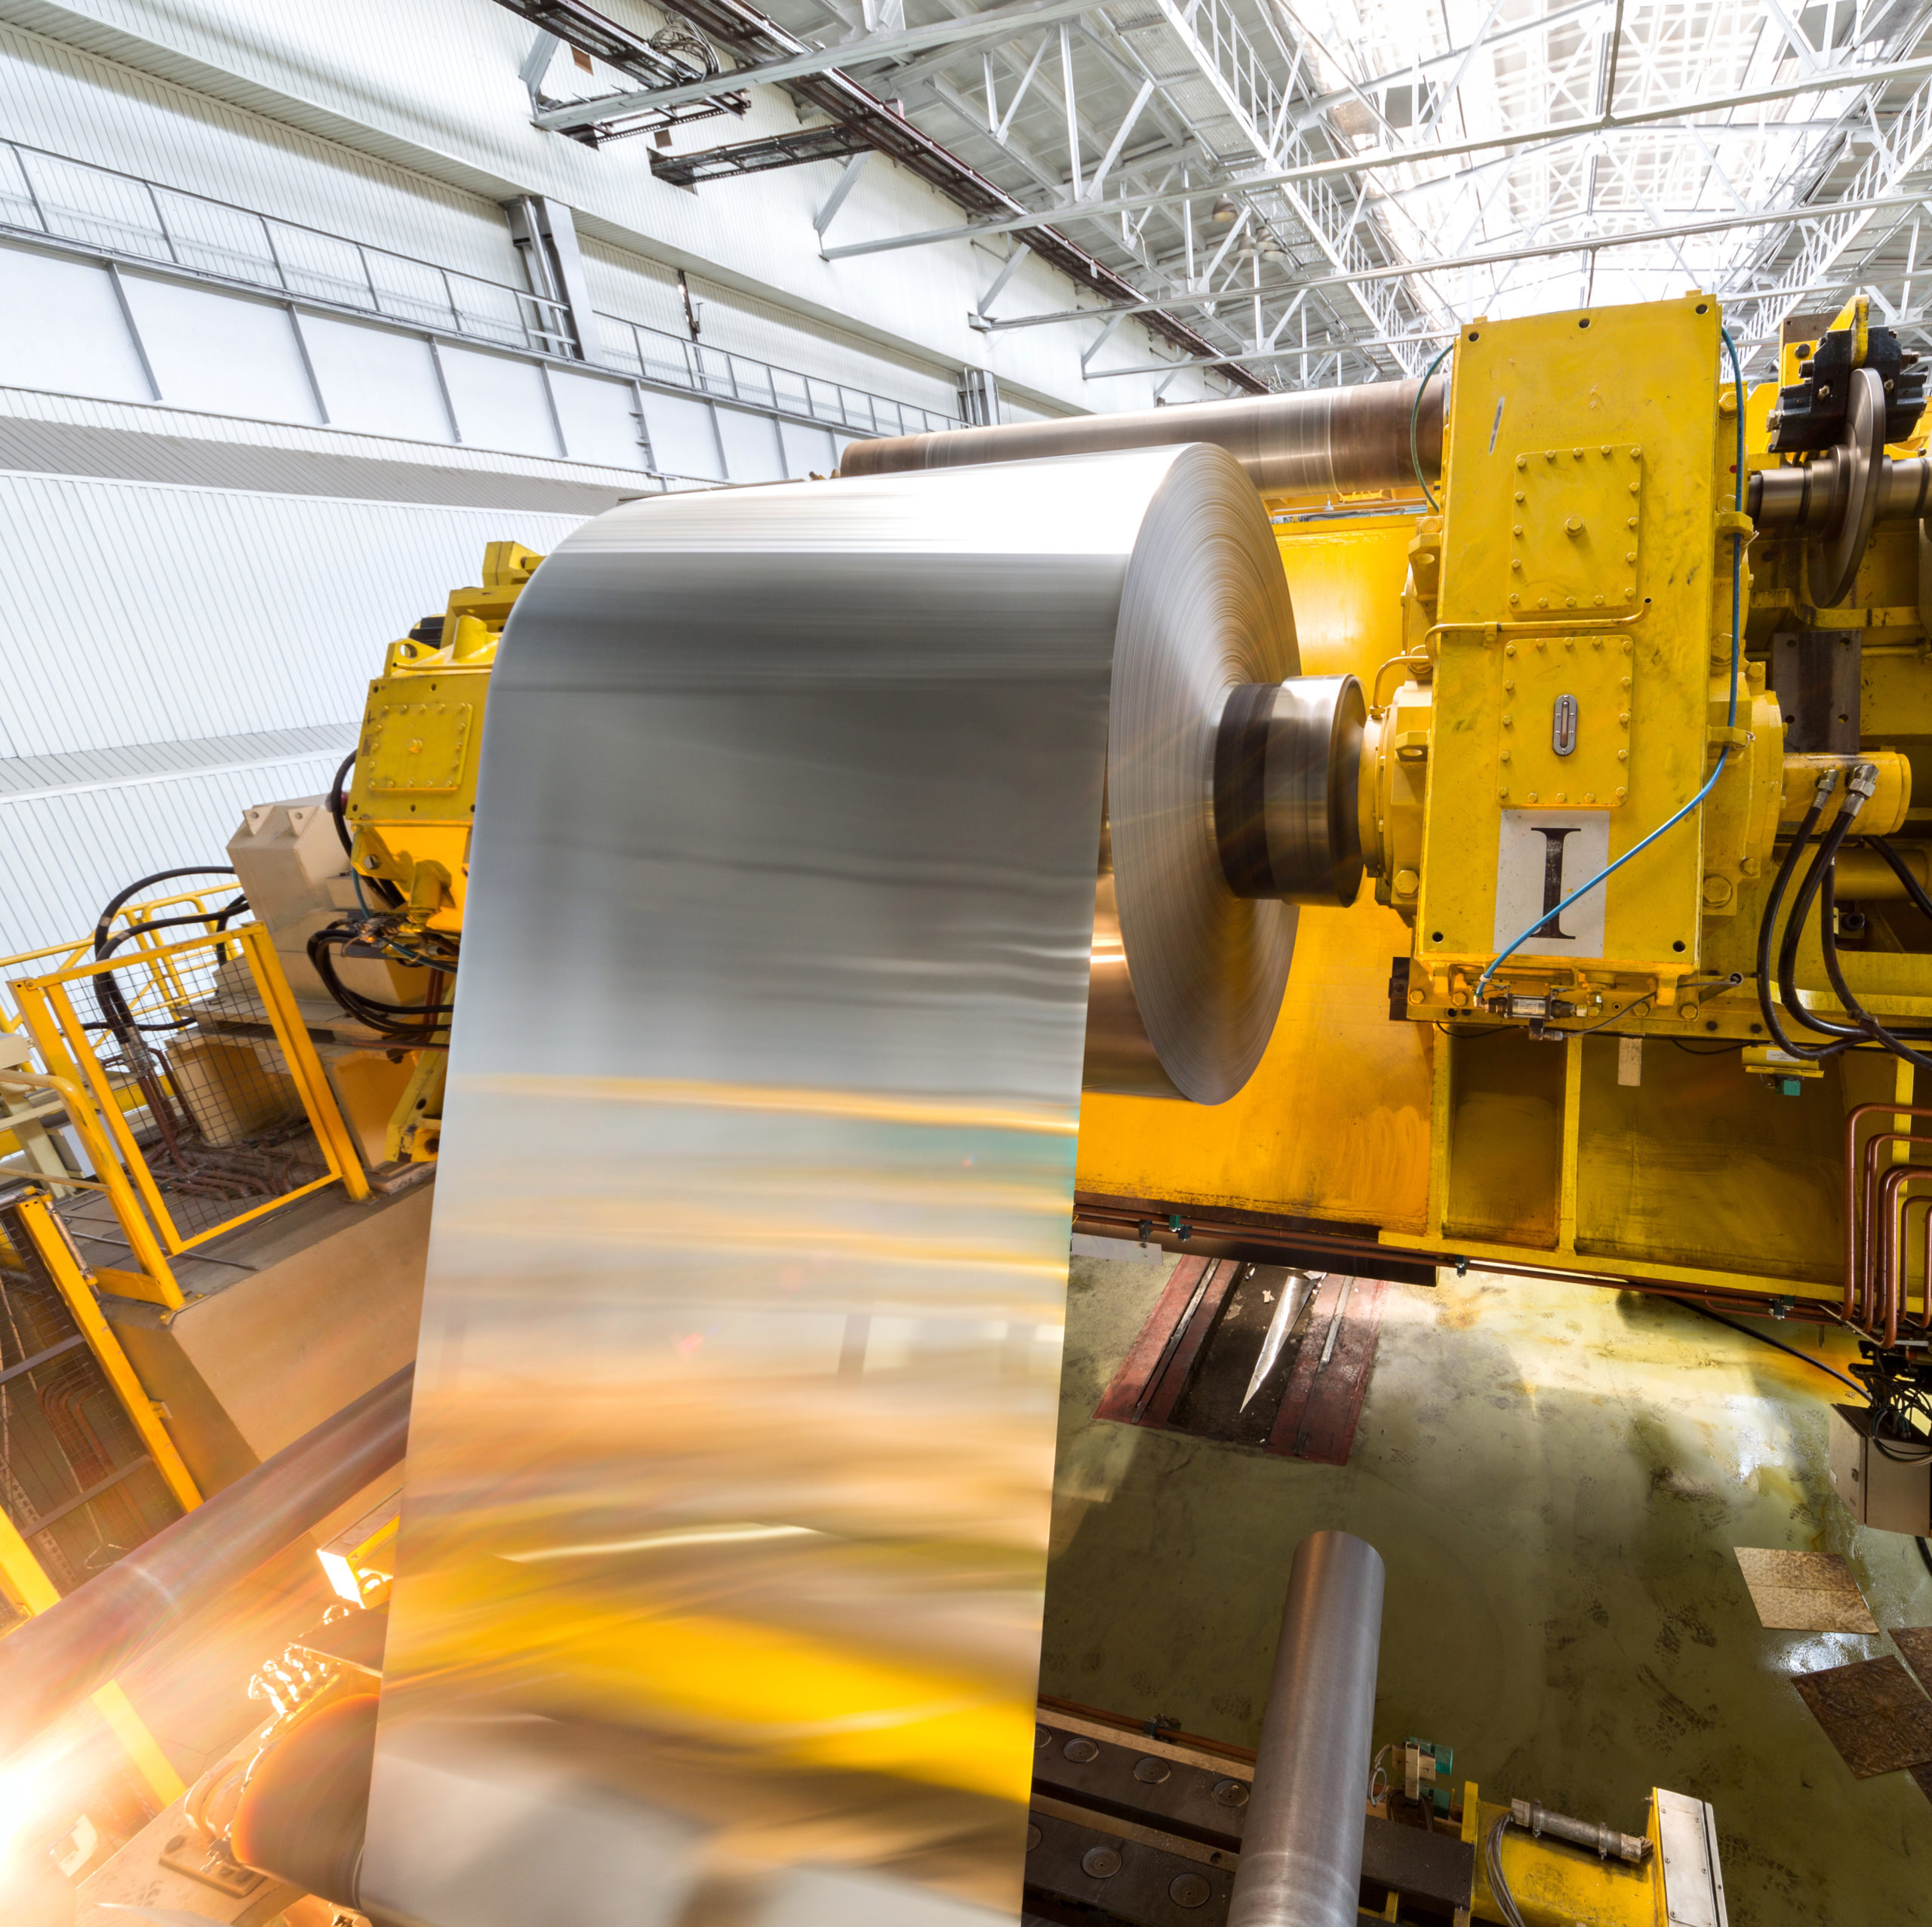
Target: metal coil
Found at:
x=729, y=1471
x=1324, y=441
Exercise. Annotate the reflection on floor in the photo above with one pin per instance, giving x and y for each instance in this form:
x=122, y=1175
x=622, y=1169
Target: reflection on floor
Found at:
x=1556, y=1476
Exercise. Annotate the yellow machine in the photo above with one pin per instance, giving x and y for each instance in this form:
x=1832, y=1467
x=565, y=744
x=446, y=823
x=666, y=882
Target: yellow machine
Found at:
x=1497, y=1055
x=1624, y=975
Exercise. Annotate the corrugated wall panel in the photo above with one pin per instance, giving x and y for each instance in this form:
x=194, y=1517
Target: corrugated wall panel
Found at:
x=141, y=612
x=67, y=855
x=55, y=97
x=432, y=84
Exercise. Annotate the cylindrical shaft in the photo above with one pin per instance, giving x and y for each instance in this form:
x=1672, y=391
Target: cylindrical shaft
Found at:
x=1310, y=441
x=1301, y=1848
x=1863, y=876
x=54, y=1661
x=1813, y=495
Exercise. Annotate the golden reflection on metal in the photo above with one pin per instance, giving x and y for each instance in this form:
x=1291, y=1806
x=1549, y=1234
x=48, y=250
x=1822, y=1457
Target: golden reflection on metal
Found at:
x=727, y=1504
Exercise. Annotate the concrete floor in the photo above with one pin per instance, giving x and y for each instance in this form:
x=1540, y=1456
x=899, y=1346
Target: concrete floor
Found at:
x=1555, y=1476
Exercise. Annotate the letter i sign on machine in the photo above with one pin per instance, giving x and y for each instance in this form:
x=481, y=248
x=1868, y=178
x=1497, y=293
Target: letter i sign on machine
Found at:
x=1543, y=855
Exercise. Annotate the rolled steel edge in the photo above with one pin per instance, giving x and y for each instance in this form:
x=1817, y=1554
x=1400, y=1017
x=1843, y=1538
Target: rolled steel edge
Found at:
x=57, y=1659
x=1354, y=440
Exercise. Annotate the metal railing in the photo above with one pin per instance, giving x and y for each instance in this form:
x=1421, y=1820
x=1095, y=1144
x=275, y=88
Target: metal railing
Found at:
x=668, y=361
x=189, y=1077
x=127, y=217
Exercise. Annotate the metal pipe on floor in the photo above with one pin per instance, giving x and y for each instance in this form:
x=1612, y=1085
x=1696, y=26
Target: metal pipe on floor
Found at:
x=1312, y=440
x=51, y=1663
x=1301, y=1848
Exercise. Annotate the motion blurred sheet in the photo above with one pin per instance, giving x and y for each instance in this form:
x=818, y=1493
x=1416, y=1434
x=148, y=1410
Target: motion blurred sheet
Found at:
x=727, y=1505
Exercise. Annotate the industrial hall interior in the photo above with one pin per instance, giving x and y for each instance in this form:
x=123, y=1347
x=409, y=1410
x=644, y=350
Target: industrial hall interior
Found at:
x=963, y=963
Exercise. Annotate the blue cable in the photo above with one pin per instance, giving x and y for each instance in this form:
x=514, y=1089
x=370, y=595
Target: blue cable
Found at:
x=1724, y=754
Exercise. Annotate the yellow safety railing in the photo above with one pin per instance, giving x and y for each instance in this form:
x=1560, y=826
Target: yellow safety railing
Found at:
x=204, y=902
x=201, y=1089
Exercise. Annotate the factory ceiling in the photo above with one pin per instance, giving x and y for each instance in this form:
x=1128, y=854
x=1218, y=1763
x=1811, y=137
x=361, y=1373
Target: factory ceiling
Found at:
x=1315, y=192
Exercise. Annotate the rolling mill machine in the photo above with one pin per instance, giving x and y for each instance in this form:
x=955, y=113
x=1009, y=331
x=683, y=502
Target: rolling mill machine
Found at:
x=1531, y=798
x=1574, y=770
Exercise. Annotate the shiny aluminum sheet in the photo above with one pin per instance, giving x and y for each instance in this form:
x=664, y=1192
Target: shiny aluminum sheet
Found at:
x=727, y=1494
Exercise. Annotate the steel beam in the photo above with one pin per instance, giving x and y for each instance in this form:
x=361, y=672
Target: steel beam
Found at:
x=1377, y=159
x=998, y=23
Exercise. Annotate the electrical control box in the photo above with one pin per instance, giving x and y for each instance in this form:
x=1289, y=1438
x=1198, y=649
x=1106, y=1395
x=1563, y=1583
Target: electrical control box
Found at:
x=1883, y=1493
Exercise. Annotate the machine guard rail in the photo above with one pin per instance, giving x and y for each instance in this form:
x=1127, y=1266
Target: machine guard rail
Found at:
x=240, y=1119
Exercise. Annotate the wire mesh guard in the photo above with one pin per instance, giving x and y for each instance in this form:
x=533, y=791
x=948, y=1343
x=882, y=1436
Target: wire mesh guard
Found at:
x=218, y=1116
x=74, y=1478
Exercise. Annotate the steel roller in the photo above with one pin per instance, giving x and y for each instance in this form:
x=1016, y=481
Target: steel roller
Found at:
x=1301, y=1849
x=1321, y=441
x=725, y=1520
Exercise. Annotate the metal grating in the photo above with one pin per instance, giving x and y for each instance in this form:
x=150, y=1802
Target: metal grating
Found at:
x=223, y=1128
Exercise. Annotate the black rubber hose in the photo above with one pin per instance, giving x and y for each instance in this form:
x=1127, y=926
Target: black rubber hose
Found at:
x=1913, y=888
x=1766, y=925
x=1822, y=860
x=1765, y=1338
x=135, y=889
x=116, y=1018
x=379, y=1016
x=338, y=802
x=338, y=805
x=1834, y=971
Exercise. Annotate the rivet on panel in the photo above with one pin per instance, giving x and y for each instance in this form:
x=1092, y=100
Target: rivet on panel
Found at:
x=1621, y=794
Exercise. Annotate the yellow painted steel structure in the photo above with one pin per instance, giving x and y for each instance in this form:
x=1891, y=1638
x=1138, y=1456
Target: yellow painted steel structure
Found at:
x=1555, y=1886
x=94, y=1096
x=1582, y=549
x=1581, y=552
x=414, y=793
x=22, y=1578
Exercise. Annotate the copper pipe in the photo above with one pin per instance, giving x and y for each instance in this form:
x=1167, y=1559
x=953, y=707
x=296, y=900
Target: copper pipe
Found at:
x=1853, y=1314
x=1922, y=1324
x=1868, y=1262
x=1893, y=1182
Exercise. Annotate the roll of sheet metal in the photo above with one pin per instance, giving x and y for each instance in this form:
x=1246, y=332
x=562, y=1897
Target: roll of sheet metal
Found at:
x=1314, y=441
x=726, y=1509
x=1301, y=1848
